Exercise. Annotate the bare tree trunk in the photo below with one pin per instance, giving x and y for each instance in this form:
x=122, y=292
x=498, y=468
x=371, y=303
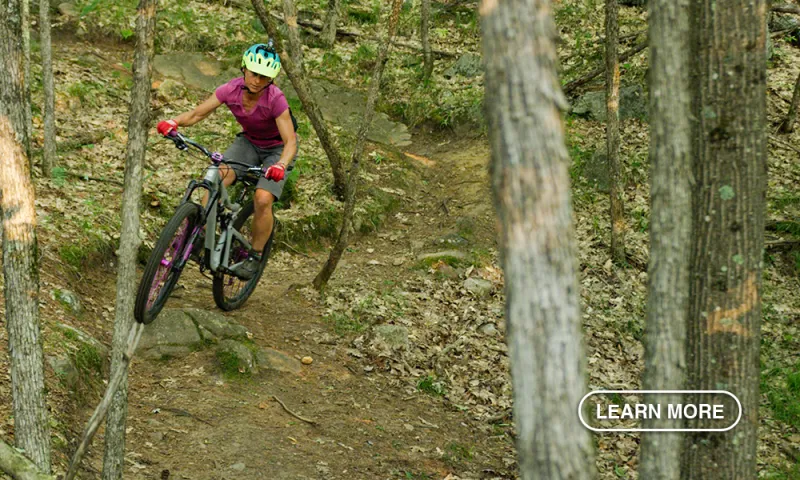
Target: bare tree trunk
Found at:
x=49, y=151
x=26, y=46
x=21, y=273
x=19, y=467
x=425, y=17
x=295, y=45
x=788, y=123
x=294, y=72
x=138, y=123
x=612, y=134
x=328, y=35
x=728, y=78
x=358, y=150
x=670, y=230
x=532, y=195
x=20, y=267
x=12, y=61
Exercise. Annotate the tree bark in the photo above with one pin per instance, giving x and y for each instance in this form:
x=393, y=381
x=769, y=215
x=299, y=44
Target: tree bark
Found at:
x=531, y=188
x=26, y=47
x=12, y=61
x=20, y=267
x=49, y=151
x=304, y=92
x=728, y=78
x=358, y=150
x=295, y=45
x=612, y=135
x=328, y=34
x=670, y=230
x=21, y=273
x=138, y=123
x=424, y=29
x=788, y=123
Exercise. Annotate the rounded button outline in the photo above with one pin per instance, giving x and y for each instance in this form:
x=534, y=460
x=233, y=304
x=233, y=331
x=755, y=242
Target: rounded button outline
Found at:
x=596, y=392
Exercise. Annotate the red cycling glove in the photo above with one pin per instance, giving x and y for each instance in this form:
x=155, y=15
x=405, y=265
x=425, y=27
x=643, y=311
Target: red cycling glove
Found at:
x=275, y=172
x=165, y=127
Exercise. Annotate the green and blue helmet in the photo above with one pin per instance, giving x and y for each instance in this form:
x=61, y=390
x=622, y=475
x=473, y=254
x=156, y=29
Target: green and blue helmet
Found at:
x=262, y=59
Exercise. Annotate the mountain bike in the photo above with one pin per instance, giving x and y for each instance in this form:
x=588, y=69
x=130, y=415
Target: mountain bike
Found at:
x=228, y=229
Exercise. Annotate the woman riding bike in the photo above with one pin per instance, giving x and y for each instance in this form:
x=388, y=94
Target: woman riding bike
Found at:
x=268, y=138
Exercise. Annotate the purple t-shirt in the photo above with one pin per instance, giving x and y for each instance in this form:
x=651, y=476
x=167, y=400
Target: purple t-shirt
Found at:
x=258, y=124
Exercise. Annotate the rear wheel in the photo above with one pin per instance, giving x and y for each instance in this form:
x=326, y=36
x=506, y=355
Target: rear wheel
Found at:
x=161, y=273
x=230, y=292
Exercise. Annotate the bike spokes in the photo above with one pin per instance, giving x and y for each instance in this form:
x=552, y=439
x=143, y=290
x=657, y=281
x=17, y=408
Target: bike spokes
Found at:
x=171, y=256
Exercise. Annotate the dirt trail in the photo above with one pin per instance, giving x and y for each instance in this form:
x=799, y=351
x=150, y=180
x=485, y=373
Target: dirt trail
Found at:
x=185, y=417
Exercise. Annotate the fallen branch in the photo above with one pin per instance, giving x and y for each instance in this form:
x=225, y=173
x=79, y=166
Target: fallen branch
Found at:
x=573, y=85
x=317, y=27
x=782, y=243
x=295, y=251
x=312, y=422
x=100, y=412
x=783, y=144
x=793, y=9
x=18, y=466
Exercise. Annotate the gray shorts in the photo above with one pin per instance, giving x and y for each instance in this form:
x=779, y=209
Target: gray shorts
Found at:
x=241, y=150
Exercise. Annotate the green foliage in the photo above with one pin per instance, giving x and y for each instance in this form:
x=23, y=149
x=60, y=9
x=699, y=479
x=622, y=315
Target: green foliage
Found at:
x=343, y=324
x=87, y=92
x=87, y=360
x=431, y=386
x=783, y=394
x=231, y=365
x=364, y=57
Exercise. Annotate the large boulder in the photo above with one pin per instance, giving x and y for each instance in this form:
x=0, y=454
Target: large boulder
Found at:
x=173, y=333
x=468, y=65
x=478, y=287
x=80, y=337
x=596, y=171
x=215, y=327
x=236, y=357
x=632, y=104
x=269, y=359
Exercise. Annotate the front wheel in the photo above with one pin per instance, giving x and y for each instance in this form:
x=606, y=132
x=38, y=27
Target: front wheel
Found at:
x=165, y=263
x=231, y=292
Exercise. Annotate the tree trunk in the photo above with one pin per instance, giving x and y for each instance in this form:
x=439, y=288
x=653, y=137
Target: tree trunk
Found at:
x=26, y=47
x=426, y=44
x=612, y=134
x=21, y=273
x=49, y=150
x=670, y=230
x=20, y=267
x=352, y=185
x=728, y=78
x=301, y=86
x=788, y=124
x=12, y=61
x=328, y=35
x=532, y=195
x=293, y=35
x=138, y=125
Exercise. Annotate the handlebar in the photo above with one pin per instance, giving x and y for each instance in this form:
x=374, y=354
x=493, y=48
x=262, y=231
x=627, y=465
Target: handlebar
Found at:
x=182, y=143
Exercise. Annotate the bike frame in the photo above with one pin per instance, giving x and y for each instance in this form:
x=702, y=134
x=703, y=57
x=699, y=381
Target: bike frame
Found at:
x=219, y=248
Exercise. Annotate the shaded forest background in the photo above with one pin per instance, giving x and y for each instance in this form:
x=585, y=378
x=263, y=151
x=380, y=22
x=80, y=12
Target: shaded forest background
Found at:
x=79, y=221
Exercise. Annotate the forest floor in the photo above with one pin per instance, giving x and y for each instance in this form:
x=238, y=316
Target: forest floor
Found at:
x=439, y=408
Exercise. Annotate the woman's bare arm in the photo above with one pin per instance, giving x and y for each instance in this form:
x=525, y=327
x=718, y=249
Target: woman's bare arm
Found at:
x=200, y=112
